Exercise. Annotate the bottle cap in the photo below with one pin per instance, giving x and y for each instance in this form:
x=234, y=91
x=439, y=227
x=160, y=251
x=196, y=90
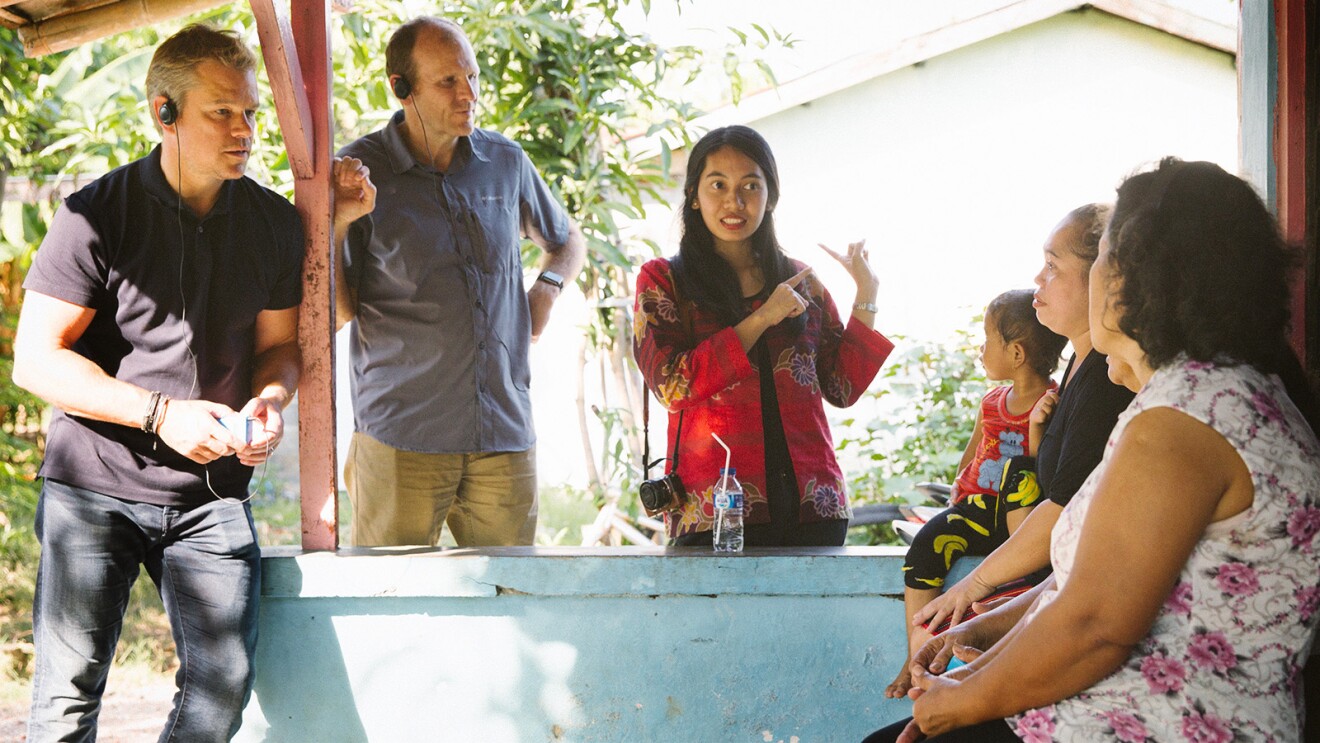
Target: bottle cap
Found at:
x=730, y=471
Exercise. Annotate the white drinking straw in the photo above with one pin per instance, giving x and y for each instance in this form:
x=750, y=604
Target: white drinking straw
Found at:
x=727, y=454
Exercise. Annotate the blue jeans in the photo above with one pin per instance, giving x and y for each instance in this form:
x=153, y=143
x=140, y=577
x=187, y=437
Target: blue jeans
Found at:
x=206, y=565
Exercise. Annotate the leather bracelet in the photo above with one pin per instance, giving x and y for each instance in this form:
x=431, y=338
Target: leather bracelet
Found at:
x=160, y=414
x=866, y=307
x=153, y=407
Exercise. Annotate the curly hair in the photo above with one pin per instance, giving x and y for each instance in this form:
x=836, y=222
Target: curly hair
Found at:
x=1013, y=316
x=701, y=273
x=1203, y=273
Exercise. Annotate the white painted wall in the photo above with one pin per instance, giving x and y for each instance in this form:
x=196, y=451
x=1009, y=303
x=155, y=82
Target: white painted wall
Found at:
x=954, y=171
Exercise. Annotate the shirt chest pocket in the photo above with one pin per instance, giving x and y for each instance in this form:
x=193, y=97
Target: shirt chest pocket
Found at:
x=495, y=233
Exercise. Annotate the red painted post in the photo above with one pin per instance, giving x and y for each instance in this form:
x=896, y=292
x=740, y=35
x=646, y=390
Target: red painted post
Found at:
x=1290, y=154
x=316, y=408
x=297, y=54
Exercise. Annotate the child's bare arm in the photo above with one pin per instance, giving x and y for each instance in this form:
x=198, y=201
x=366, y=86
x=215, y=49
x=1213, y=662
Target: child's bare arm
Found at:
x=1040, y=415
x=968, y=454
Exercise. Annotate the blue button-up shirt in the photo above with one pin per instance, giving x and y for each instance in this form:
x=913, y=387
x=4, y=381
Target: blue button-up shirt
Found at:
x=439, y=345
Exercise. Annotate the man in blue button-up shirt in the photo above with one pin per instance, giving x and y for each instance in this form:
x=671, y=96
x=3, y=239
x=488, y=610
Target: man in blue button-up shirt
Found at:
x=433, y=280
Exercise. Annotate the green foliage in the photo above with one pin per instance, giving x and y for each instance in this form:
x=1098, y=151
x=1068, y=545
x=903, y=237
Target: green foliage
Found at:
x=563, y=512
x=924, y=412
x=27, y=108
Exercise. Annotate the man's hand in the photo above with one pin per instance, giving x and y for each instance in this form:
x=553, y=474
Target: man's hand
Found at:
x=540, y=298
x=192, y=428
x=266, y=432
x=355, y=194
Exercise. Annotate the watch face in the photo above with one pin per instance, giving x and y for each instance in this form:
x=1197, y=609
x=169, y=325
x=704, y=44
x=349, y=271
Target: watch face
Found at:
x=550, y=277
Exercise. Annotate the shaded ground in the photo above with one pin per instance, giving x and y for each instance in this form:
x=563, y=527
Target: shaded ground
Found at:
x=133, y=710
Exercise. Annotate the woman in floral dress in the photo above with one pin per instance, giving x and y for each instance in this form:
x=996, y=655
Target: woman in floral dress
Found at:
x=737, y=339
x=1187, y=568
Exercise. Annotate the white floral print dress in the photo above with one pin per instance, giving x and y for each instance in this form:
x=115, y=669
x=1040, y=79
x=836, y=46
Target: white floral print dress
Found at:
x=1223, y=660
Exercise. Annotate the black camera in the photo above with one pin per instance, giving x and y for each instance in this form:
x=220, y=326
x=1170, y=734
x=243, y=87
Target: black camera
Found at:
x=662, y=495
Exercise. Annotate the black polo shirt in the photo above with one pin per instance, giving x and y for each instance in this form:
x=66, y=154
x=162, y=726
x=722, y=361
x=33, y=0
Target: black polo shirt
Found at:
x=1075, y=438
x=176, y=301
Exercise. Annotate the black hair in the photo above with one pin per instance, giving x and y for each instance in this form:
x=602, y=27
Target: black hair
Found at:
x=1203, y=272
x=1013, y=316
x=703, y=276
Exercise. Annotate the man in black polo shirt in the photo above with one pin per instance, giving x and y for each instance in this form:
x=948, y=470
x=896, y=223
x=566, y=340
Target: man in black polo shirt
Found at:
x=164, y=297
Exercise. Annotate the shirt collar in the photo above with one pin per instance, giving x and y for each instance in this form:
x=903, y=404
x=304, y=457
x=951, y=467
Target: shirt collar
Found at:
x=153, y=179
x=402, y=160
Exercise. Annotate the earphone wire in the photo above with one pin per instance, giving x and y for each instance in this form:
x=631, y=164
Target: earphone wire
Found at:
x=183, y=254
x=469, y=217
x=430, y=155
x=183, y=322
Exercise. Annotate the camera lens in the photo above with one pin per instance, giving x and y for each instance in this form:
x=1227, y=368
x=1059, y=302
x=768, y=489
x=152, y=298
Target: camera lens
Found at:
x=648, y=494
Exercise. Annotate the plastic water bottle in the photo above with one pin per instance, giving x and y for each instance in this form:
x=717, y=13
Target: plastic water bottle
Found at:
x=728, y=512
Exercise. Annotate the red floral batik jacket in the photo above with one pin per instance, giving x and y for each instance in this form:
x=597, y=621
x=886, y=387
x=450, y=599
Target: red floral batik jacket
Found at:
x=695, y=364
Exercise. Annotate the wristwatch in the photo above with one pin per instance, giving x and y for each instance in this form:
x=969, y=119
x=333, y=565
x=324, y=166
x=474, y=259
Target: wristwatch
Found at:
x=551, y=278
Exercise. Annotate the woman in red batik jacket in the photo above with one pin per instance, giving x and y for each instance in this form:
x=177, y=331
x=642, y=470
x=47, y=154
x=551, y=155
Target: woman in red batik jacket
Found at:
x=739, y=340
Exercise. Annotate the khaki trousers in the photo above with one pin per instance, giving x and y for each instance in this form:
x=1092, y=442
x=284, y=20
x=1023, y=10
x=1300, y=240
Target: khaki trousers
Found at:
x=405, y=498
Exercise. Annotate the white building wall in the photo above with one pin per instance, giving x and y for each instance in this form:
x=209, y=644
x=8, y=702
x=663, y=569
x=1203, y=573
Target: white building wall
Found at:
x=955, y=170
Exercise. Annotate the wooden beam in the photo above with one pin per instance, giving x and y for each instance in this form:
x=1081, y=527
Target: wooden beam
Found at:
x=286, y=83
x=318, y=471
x=961, y=32
x=1173, y=20
x=1290, y=151
x=10, y=20
x=976, y=24
x=67, y=31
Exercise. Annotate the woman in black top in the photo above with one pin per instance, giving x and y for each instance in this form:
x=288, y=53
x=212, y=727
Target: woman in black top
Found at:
x=1083, y=414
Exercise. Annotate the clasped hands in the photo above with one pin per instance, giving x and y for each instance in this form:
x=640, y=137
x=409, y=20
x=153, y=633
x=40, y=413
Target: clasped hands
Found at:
x=932, y=714
x=192, y=428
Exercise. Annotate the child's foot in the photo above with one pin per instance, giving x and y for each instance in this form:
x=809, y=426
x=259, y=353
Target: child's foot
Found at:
x=899, y=688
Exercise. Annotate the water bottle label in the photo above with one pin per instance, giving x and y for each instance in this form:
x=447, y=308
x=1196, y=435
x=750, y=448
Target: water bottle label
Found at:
x=735, y=500
x=722, y=499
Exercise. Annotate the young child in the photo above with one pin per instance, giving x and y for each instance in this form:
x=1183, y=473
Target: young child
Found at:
x=1022, y=351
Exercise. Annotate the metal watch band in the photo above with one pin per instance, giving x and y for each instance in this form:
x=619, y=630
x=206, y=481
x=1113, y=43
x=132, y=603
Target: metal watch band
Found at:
x=866, y=306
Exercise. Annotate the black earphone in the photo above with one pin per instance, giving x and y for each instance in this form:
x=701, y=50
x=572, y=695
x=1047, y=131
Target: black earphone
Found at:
x=167, y=113
x=400, y=85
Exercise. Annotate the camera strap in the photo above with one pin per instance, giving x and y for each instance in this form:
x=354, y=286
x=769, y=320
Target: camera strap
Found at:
x=647, y=464
x=685, y=319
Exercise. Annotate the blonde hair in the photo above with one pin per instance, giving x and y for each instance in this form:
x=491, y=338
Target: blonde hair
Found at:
x=173, y=70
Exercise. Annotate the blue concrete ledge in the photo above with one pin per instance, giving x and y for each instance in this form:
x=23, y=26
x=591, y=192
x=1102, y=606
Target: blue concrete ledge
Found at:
x=569, y=644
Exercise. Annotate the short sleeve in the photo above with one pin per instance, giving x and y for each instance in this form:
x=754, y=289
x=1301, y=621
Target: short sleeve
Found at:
x=355, y=248
x=539, y=206
x=71, y=263
x=287, y=291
